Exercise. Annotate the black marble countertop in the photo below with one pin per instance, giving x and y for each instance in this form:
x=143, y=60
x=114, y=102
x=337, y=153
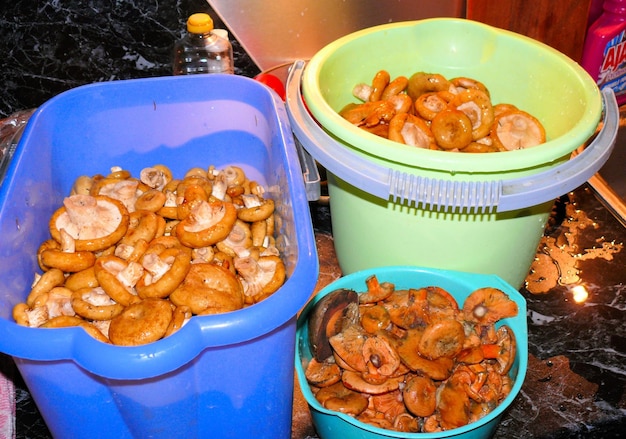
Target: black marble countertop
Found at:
x=50, y=46
x=576, y=381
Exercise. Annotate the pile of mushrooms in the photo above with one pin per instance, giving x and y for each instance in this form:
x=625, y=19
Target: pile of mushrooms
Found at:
x=411, y=360
x=429, y=111
x=131, y=260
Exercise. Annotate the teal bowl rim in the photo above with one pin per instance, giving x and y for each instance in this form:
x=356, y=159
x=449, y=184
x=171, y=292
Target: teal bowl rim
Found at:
x=470, y=281
x=370, y=144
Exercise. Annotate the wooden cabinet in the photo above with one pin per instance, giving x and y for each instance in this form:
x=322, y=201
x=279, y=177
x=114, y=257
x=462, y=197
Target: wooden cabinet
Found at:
x=560, y=24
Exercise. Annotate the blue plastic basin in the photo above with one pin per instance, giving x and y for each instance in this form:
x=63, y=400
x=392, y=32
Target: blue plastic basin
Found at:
x=227, y=375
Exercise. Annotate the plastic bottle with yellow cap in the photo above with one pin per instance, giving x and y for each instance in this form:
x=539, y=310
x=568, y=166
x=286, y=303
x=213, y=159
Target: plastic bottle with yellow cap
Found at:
x=202, y=50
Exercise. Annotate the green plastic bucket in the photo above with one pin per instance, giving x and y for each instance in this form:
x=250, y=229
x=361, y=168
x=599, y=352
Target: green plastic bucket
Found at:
x=393, y=204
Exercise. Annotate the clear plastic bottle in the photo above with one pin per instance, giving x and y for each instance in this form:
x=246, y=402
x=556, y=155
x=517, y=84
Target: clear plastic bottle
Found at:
x=604, y=52
x=202, y=50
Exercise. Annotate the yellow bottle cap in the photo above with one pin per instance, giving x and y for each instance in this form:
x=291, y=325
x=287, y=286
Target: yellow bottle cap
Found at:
x=199, y=23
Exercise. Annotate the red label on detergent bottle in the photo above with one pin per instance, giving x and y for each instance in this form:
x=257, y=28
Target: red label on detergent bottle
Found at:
x=614, y=66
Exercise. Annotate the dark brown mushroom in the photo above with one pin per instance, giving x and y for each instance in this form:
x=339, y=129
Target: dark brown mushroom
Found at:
x=325, y=320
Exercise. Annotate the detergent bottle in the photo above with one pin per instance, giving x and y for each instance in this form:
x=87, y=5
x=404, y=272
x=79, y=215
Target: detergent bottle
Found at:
x=604, y=52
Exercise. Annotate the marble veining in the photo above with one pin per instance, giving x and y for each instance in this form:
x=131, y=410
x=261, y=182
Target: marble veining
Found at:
x=51, y=46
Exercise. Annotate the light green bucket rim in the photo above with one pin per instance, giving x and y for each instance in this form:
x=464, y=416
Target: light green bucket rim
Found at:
x=554, y=150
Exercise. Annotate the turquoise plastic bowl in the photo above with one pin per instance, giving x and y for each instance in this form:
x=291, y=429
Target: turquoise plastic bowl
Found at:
x=330, y=424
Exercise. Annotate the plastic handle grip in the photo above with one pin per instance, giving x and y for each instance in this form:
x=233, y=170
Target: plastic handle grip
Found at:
x=498, y=195
x=571, y=174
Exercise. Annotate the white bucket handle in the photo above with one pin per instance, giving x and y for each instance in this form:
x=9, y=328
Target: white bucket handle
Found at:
x=501, y=195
